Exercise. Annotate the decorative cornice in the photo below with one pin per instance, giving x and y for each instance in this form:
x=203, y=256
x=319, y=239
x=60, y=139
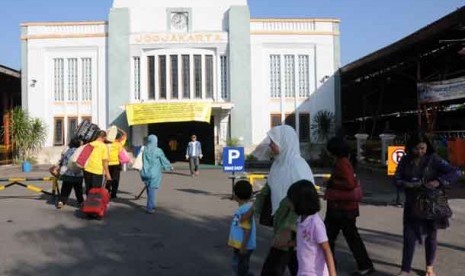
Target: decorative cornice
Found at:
x=78, y=23
x=293, y=33
x=61, y=36
x=333, y=20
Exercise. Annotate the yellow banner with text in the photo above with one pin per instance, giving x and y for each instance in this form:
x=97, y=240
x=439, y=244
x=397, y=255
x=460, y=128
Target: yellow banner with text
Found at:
x=150, y=113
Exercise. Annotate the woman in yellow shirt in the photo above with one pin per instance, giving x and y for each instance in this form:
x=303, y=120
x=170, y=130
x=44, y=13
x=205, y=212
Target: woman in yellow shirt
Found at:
x=114, y=165
x=97, y=165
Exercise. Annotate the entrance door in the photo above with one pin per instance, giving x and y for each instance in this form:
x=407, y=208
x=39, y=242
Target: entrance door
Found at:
x=174, y=137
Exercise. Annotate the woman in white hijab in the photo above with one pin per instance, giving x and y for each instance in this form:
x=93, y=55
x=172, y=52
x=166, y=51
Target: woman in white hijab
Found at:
x=288, y=167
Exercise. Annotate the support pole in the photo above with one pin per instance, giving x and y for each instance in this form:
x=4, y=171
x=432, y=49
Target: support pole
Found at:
x=418, y=95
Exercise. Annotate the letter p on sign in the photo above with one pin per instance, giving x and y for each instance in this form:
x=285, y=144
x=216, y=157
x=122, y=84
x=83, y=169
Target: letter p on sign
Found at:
x=233, y=154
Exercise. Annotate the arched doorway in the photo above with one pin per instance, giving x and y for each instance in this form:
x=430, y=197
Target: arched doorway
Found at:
x=174, y=137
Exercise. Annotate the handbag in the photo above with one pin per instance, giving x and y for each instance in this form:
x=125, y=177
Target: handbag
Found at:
x=123, y=157
x=138, y=163
x=266, y=218
x=73, y=159
x=54, y=170
x=83, y=158
x=354, y=195
x=431, y=204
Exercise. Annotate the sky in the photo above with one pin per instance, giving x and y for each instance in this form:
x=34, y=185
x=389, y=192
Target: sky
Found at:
x=366, y=25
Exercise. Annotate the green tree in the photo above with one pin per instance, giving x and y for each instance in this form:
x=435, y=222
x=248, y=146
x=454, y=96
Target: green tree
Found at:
x=27, y=134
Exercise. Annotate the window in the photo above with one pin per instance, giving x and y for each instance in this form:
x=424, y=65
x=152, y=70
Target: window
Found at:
x=88, y=118
x=72, y=79
x=290, y=120
x=224, y=77
x=275, y=73
x=209, y=76
x=289, y=76
x=290, y=63
x=304, y=76
x=275, y=120
x=136, y=61
x=174, y=76
x=59, y=84
x=58, y=132
x=151, y=72
x=162, y=76
x=304, y=125
x=198, y=76
x=186, y=77
x=72, y=126
x=86, y=79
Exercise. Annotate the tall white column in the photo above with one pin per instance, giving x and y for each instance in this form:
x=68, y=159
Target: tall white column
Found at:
x=386, y=141
x=361, y=141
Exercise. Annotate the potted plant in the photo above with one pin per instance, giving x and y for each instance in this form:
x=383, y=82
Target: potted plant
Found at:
x=322, y=128
x=322, y=125
x=27, y=136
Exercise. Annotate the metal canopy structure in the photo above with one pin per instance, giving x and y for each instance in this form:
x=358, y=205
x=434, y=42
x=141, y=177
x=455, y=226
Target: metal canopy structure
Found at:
x=10, y=96
x=382, y=87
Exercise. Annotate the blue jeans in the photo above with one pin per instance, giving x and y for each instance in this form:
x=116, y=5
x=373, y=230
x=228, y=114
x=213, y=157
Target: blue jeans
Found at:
x=240, y=263
x=151, y=198
x=194, y=164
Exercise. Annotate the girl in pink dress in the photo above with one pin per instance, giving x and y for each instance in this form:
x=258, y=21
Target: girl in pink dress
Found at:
x=313, y=252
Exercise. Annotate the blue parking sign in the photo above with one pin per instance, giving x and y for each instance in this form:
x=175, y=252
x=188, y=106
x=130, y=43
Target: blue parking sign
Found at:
x=233, y=159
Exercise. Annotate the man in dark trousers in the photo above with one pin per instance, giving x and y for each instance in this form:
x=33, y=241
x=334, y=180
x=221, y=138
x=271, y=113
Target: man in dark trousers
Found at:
x=193, y=154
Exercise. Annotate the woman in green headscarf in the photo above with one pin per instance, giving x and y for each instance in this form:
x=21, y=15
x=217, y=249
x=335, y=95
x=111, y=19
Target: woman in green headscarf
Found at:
x=154, y=160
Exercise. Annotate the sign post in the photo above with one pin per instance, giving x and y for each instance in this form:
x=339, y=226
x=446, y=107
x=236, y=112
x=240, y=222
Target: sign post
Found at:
x=395, y=154
x=233, y=161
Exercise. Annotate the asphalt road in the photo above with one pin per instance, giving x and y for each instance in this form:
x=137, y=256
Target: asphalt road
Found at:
x=187, y=235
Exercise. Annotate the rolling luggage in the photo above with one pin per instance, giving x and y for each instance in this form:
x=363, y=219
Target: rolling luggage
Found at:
x=96, y=203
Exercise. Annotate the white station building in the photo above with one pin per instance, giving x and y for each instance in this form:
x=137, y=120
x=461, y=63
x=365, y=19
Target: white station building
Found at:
x=255, y=72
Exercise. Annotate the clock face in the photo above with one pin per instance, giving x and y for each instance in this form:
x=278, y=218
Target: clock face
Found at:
x=179, y=21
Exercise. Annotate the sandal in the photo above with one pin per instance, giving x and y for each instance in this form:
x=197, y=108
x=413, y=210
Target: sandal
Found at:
x=429, y=271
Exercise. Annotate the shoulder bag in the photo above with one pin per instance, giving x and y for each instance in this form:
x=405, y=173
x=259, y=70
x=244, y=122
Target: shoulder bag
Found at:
x=354, y=195
x=123, y=157
x=266, y=218
x=431, y=204
x=138, y=163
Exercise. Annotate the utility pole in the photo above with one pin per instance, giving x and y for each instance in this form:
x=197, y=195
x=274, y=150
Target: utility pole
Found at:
x=418, y=95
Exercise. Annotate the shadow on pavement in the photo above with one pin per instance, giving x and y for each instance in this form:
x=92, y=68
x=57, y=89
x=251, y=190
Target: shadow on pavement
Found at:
x=381, y=237
x=195, y=191
x=179, y=173
x=129, y=243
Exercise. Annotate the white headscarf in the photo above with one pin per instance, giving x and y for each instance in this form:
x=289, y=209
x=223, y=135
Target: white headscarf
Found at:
x=288, y=166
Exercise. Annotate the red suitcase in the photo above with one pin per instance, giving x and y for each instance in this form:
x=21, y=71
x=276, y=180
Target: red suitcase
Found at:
x=96, y=203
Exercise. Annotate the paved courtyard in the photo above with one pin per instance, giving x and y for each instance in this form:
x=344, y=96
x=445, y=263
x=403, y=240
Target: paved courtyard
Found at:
x=187, y=235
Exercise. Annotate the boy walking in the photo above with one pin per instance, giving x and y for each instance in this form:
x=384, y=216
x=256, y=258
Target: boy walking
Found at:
x=242, y=236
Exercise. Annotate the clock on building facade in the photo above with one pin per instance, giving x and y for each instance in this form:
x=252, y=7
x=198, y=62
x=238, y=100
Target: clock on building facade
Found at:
x=179, y=21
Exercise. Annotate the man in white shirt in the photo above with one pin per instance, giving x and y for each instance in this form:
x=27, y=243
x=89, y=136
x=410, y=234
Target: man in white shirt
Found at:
x=193, y=154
